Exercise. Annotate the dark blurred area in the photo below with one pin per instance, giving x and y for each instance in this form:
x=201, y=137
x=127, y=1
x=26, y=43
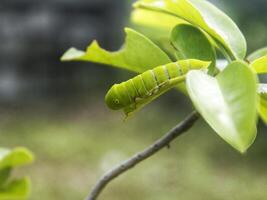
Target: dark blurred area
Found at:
x=33, y=36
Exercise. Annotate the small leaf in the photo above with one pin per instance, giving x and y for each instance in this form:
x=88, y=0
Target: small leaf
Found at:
x=15, y=190
x=138, y=55
x=260, y=65
x=4, y=175
x=14, y=158
x=191, y=43
x=257, y=54
x=228, y=102
x=203, y=14
x=263, y=102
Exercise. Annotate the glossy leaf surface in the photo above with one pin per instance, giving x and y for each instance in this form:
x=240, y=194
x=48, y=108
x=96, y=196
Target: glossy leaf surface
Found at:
x=138, y=54
x=153, y=19
x=203, y=14
x=191, y=43
x=260, y=65
x=257, y=54
x=227, y=103
x=263, y=102
x=147, y=22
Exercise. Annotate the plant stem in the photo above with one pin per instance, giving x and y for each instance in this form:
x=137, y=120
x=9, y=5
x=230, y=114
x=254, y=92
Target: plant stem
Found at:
x=165, y=141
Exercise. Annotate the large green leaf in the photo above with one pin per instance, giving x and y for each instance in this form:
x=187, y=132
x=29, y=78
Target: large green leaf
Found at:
x=206, y=16
x=14, y=158
x=228, y=102
x=156, y=26
x=15, y=190
x=155, y=20
x=138, y=54
x=257, y=54
x=263, y=102
x=191, y=43
x=260, y=65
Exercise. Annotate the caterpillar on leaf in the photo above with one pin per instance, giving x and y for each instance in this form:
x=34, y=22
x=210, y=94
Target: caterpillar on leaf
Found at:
x=135, y=93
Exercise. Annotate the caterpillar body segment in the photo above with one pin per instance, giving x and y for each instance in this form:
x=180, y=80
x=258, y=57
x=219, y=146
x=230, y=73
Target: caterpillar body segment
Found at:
x=153, y=94
x=133, y=94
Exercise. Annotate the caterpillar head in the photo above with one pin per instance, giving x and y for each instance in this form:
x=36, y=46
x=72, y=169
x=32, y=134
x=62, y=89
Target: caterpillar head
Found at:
x=113, y=100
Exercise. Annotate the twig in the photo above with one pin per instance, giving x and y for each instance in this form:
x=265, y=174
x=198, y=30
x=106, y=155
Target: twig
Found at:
x=165, y=141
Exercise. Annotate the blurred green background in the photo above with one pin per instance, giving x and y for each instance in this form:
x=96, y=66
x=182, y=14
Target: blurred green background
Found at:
x=57, y=110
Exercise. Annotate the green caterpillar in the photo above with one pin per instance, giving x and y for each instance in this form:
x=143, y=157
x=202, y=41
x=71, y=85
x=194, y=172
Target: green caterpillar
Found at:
x=142, y=89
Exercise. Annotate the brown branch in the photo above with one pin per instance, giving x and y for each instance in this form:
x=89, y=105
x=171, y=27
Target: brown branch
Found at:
x=165, y=141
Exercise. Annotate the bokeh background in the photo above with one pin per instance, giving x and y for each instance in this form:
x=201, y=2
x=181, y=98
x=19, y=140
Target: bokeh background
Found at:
x=57, y=110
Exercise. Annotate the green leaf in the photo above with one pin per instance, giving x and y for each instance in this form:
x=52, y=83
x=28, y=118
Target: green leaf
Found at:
x=257, y=54
x=155, y=25
x=9, y=159
x=155, y=20
x=15, y=190
x=147, y=22
x=263, y=102
x=14, y=158
x=260, y=65
x=138, y=54
x=228, y=102
x=203, y=14
x=191, y=43
x=4, y=175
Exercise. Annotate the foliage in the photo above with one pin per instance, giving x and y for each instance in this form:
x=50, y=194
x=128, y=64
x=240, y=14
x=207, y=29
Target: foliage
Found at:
x=10, y=159
x=257, y=54
x=130, y=57
x=92, y=153
x=233, y=100
x=227, y=99
x=184, y=36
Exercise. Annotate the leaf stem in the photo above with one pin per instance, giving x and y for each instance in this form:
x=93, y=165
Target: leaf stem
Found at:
x=165, y=141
